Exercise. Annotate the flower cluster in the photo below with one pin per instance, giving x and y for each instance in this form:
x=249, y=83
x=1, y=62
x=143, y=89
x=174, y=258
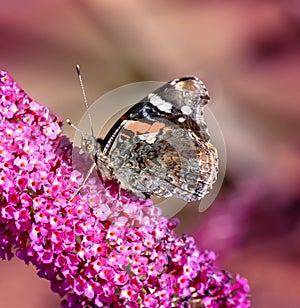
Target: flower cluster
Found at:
x=105, y=247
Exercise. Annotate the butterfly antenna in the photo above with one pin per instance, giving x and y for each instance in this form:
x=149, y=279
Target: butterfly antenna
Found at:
x=84, y=99
x=75, y=127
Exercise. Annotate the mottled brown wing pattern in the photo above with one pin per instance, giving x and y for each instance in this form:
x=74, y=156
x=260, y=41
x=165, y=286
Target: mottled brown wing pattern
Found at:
x=164, y=163
x=161, y=146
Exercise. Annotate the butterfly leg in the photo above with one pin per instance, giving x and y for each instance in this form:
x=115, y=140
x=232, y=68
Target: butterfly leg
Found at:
x=84, y=181
x=119, y=192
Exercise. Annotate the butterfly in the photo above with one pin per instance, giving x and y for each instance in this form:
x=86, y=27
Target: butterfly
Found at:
x=161, y=146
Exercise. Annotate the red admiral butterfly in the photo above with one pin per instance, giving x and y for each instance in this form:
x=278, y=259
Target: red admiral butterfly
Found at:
x=160, y=146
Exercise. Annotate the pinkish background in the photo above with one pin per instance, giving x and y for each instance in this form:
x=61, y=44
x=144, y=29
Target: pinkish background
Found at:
x=247, y=53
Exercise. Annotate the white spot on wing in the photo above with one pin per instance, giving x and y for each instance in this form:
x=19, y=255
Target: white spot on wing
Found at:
x=158, y=102
x=173, y=82
x=186, y=110
x=181, y=119
x=149, y=138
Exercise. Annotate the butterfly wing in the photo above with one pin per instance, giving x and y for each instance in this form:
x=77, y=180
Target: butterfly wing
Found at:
x=161, y=145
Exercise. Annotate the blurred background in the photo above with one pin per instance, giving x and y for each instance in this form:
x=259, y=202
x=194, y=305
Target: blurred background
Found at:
x=248, y=55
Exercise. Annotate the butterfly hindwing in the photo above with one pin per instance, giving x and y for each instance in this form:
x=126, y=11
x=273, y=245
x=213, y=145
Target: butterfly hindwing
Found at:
x=161, y=165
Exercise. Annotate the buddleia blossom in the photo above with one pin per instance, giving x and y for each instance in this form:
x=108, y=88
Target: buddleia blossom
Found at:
x=105, y=247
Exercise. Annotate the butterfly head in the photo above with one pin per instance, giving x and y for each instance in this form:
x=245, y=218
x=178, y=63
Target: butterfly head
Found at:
x=90, y=144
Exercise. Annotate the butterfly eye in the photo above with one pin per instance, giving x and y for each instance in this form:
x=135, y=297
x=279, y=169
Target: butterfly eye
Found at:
x=88, y=144
x=88, y=147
